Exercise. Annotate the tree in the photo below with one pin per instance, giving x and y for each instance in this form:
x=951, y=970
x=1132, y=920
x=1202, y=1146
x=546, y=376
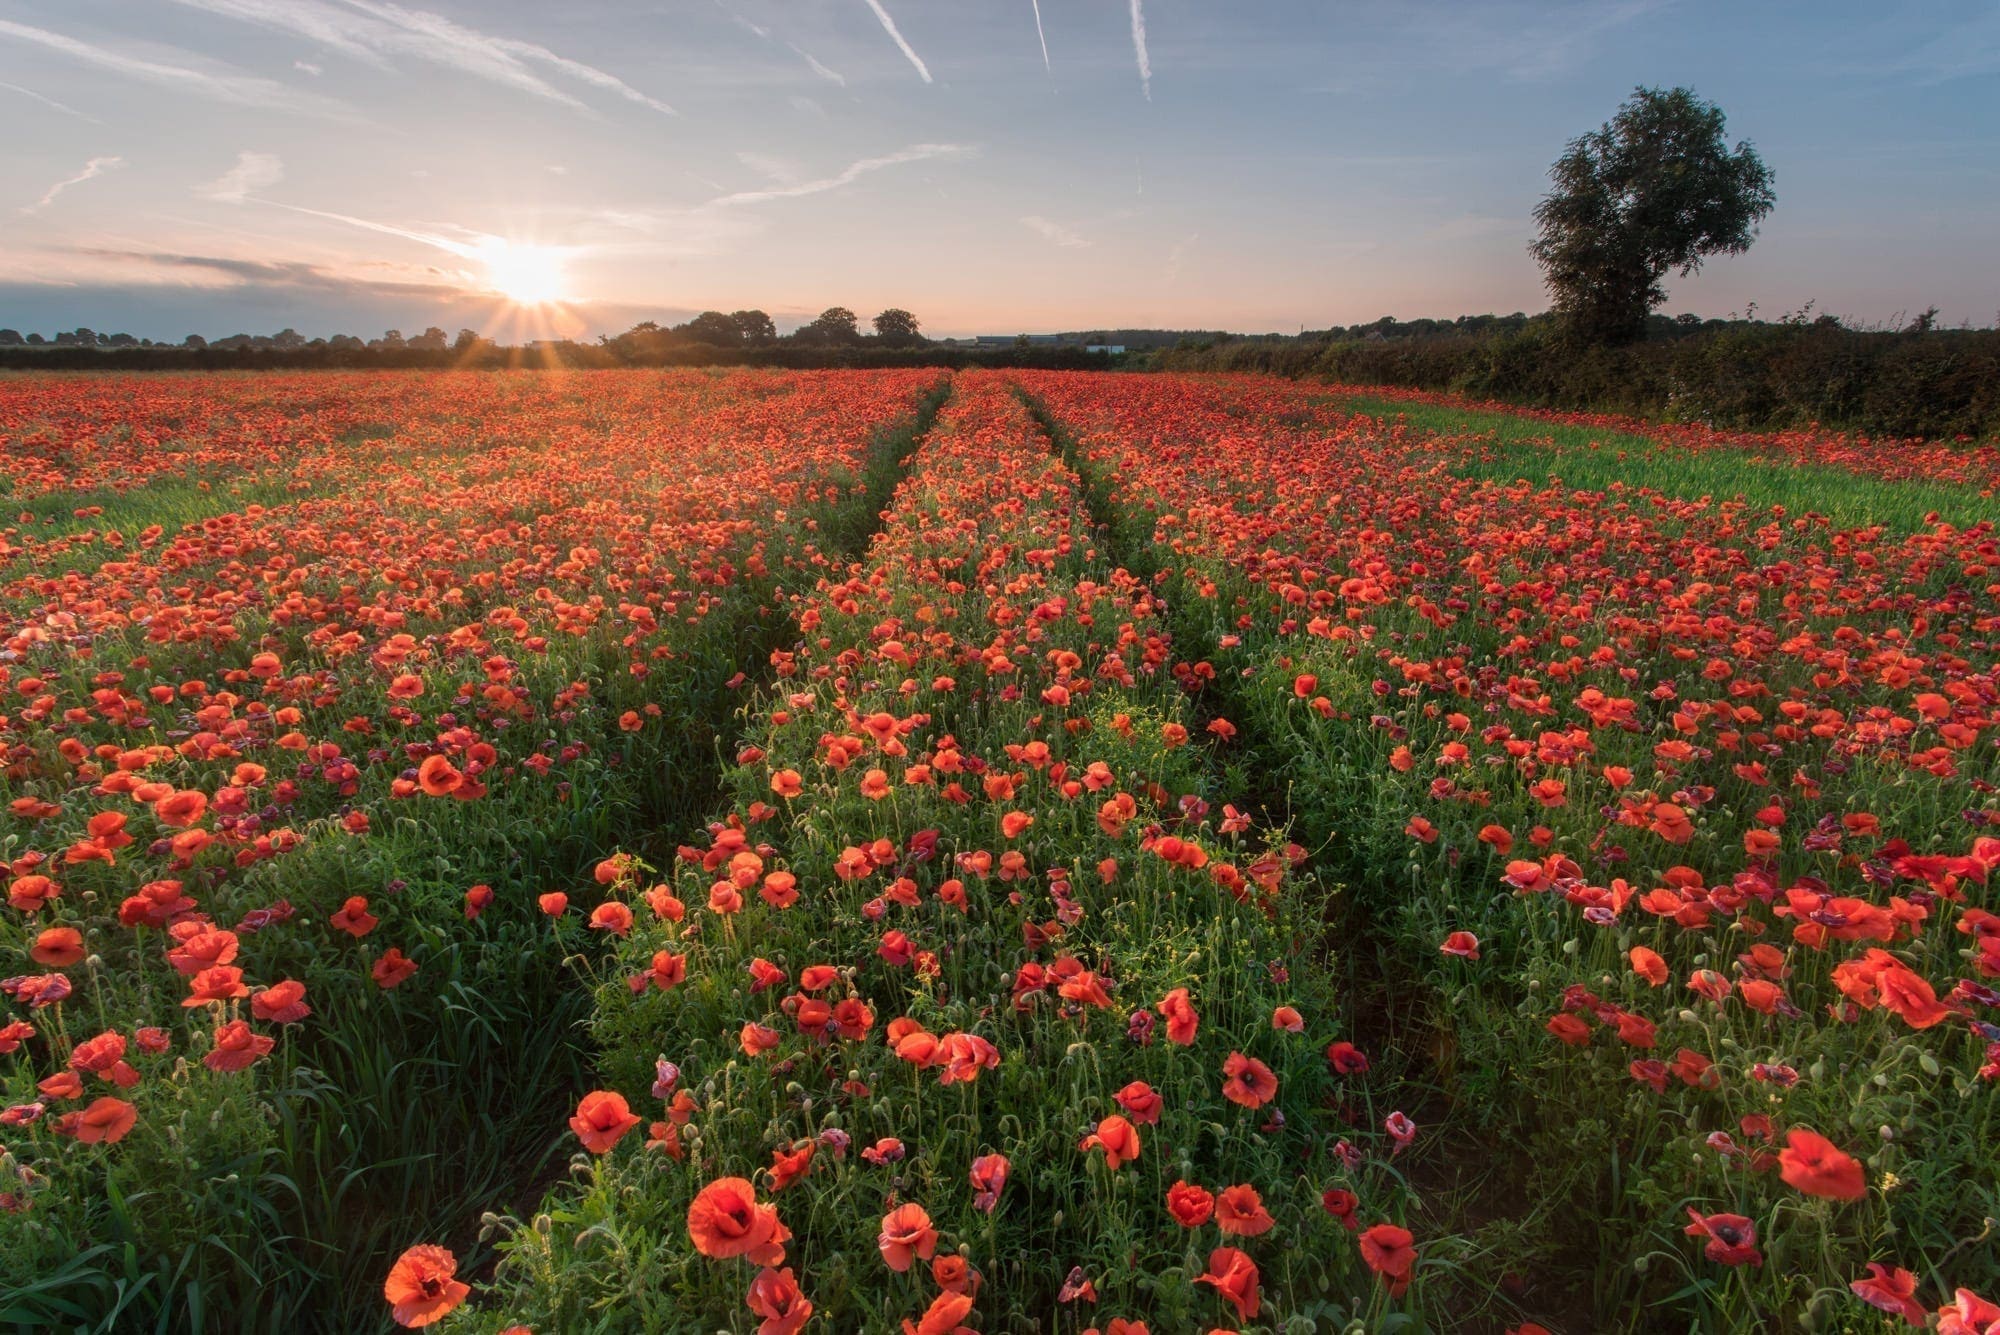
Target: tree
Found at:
x=467, y=340
x=896, y=327
x=755, y=327
x=835, y=324
x=195, y=342
x=713, y=328
x=1655, y=188
x=431, y=340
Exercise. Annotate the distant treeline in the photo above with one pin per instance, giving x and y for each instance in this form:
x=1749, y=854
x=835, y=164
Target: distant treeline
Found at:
x=491, y=356
x=713, y=338
x=1743, y=374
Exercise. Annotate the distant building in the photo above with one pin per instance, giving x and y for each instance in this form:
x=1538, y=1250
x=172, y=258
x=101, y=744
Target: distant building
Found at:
x=1108, y=349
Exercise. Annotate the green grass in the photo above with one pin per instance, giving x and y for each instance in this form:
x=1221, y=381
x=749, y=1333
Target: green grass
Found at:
x=1517, y=448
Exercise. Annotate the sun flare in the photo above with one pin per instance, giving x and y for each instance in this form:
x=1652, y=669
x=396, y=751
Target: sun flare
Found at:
x=523, y=273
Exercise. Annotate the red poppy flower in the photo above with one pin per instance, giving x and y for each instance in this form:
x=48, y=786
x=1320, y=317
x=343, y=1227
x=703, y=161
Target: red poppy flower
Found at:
x=942, y=1317
x=236, y=1047
x=1341, y=1204
x=1346, y=1059
x=354, y=918
x=1648, y=965
x=1462, y=944
x=788, y=1166
x=392, y=969
x=601, y=1119
x=1240, y=1210
x=1389, y=1251
x=1893, y=1291
x=1571, y=1029
x=222, y=983
x=104, y=1122
x=1119, y=1140
x=422, y=1286
x=1179, y=1013
x=1233, y=1276
x=725, y=1219
x=57, y=947
x=1814, y=1165
x=775, y=1299
x=1248, y=1081
x=281, y=1003
x=1140, y=1102
x=1191, y=1206
x=1967, y=1314
x=989, y=1178
x=906, y=1237
x=1732, y=1239
x=611, y=916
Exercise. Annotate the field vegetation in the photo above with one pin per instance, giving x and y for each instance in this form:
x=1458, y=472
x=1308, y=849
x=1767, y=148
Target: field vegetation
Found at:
x=996, y=850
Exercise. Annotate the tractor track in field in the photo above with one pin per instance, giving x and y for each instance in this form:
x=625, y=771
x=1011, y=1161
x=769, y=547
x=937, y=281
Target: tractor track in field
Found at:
x=1391, y=1011
x=663, y=830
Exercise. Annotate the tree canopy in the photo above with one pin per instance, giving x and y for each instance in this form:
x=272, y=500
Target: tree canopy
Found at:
x=835, y=324
x=896, y=327
x=1654, y=189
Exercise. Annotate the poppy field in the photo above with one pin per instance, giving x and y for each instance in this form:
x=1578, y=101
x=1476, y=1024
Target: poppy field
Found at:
x=987, y=851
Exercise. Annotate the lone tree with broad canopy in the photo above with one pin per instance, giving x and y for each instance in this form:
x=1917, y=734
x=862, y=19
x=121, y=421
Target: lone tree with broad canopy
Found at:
x=897, y=328
x=1656, y=188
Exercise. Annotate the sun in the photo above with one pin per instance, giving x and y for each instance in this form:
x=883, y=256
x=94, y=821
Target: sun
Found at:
x=523, y=273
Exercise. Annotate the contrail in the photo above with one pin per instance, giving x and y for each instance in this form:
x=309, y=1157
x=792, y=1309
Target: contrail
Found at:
x=49, y=102
x=1139, y=46
x=889, y=26
x=847, y=176
x=445, y=243
x=1044, y=36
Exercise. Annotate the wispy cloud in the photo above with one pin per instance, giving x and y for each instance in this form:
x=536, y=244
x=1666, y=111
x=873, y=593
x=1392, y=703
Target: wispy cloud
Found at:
x=1053, y=232
x=50, y=102
x=1042, y=37
x=253, y=172
x=374, y=31
x=817, y=68
x=1139, y=49
x=846, y=177
x=1530, y=44
x=239, y=89
x=281, y=274
x=92, y=169
x=1560, y=47
x=889, y=26
x=1965, y=51
x=782, y=170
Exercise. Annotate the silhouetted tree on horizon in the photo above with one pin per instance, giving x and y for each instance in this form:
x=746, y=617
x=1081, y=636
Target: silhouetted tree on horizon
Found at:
x=1655, y=188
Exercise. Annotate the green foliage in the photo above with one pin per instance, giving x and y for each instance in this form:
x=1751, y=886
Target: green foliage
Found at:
x=1738, y=376
x=1657, y=188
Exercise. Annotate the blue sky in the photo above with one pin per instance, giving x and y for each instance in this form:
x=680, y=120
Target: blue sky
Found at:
x=175, y=166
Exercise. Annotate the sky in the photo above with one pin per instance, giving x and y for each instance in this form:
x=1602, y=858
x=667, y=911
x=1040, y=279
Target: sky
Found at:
x=220, y=166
